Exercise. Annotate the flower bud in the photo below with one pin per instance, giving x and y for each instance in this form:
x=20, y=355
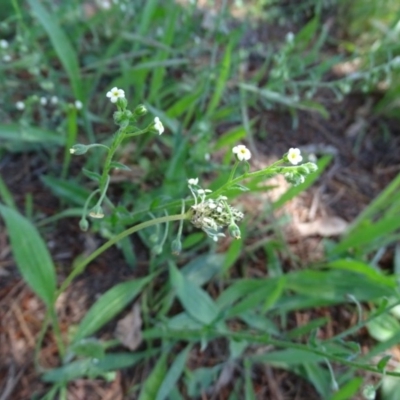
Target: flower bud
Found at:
x=78, y=149
x=157, y=249
x=84, y=224
x=311, y=166
x=96, y=212
x=234, y=231
x=176, y=246
x=140, y=110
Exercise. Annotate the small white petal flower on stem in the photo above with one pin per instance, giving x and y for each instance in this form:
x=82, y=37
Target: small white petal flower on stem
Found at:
x=20, y=105
x=43, y=101
x=193, y=181
x=114, y=94
x=7, y=58
x=158, y=126
x=3, y=44
x=294, y=156
x=242, y=152
x=54, y=100
x=78, y=105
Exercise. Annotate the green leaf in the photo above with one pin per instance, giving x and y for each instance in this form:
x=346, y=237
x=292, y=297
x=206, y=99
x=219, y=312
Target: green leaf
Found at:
x=92, y=175
x=19, y=133
x=108, y=306
x=93, y=367
x=90, y=347
x=222, y=79
x=383, y=362
x=240, y=187
x=61, y=44
x=67, y=190
x=194, y=300
x=153, y=382
x=118, y=165
x=173, y=374
x=6, y=195
x=31, y=255
x=349, y=390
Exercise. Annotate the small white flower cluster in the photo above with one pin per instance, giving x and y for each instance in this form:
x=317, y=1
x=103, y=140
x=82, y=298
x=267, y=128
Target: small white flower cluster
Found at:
x=242, y=152
x=3, y=47
x=158, y=126
x=212, y=215
x=114, y=94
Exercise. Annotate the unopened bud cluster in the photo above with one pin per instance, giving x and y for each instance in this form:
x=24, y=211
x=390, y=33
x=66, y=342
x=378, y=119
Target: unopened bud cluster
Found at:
x=213, y=215
x=297, y=175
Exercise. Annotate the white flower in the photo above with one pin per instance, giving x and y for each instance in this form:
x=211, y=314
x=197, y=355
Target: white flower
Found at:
x=3, y=43
x=294, y=156
x=20, y=105
x=105, y=5
x=78, y=105
x=43, y=101
x=54, y=100
x=193, y=181
x=114, y=94
x=242, y=152
x=7, y=58
x=72, y=150
x=158, y=126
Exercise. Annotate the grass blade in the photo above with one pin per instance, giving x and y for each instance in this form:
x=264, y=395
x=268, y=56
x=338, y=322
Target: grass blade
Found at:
x=61, y=44
x=31, y=255
x=108, y=306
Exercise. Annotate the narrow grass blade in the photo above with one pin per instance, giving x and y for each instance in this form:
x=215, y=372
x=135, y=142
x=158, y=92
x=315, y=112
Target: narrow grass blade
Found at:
x=6, y=195
x=31, y=255
x=61, y=44
x=221, y=80
x=173, y=374
x=108, y=306
x=153, y=382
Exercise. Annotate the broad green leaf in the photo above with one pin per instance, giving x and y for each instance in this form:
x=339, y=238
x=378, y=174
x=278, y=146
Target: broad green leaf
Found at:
x=383, y=362
x=66, y=189
x=173, y=374
x=202, y=268
x=93, y=367
x=364, y=269
x=90, y=347
x=108, y=306
x=61, y=44
x=31, y=255
x=335, y=285
x=19, y=133
x=152, y=384
x=383, y=327
x=349, y=390
x=193, y=298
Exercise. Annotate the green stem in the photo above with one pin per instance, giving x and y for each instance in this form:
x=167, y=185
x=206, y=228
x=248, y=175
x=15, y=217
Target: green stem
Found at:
x=79, y=268
x=119, y=137
x=39, y=341
x=137, y=133
x=264, y=339
x=256, y=174
x=57, y=332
